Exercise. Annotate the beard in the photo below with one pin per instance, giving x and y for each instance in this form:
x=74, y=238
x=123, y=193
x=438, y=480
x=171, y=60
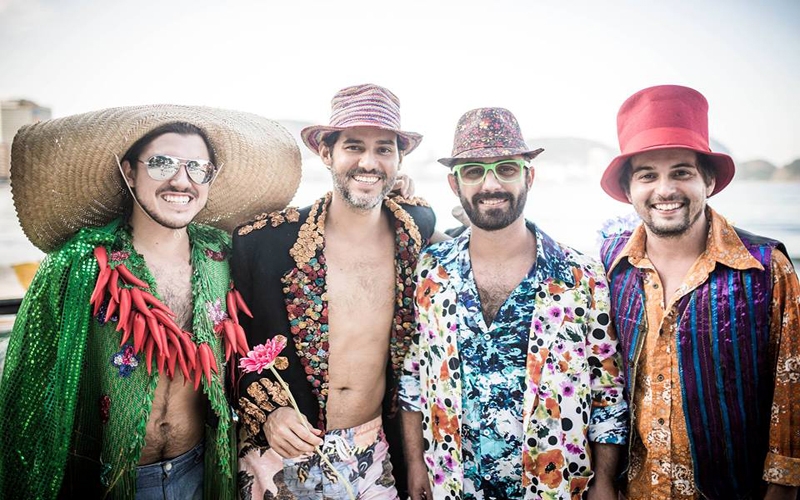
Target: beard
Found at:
x=494, y=219
x=361, y=202
x=670, y=229
x=161, y=219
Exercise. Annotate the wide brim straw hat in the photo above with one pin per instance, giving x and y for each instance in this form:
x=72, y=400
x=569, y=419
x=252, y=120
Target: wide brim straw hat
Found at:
x=365, y=105
x=488, y=133
x=65, y=176
x=664, y=117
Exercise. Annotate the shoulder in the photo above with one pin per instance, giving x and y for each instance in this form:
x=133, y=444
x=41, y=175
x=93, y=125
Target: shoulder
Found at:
x=421, y=213
x=287, y=216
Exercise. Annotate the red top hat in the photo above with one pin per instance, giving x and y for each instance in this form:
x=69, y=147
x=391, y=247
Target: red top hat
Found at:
x=664, y=117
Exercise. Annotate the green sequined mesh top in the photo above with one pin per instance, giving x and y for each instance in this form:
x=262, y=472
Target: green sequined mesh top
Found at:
x=74, y=404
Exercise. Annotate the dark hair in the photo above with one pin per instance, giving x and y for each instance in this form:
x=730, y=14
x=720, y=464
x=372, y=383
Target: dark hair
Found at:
x=707, y=172
x=181, y=128
x=330, y=140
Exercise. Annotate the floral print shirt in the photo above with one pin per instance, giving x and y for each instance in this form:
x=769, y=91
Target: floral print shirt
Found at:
x=522, y=399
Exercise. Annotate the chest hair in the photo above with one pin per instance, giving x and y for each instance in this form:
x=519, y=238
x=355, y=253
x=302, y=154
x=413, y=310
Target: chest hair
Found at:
x=175, y=287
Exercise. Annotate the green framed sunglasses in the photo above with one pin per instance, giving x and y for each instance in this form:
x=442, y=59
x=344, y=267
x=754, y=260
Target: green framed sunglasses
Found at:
x=507, y=170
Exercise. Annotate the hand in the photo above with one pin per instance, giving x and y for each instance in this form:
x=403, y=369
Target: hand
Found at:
x=419, y=487
x=288, y=436
x=403, y=186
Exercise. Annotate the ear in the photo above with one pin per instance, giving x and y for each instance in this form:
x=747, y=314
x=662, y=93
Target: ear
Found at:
x=530, y=176
x=451, y=179
x=710, y=187
x=325, y=154
x=127, y=171
x=400, y=160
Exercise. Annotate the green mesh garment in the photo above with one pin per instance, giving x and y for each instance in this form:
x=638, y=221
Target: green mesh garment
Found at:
x=70, y=420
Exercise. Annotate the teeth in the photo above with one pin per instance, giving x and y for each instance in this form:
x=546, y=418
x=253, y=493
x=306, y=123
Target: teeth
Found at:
x=492, y=201
x=368, y=179
x=180, y=199
x=667, y=206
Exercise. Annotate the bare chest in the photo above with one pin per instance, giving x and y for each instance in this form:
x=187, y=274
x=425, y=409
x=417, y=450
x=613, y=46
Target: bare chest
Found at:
x=174, y=282
x=496, y=283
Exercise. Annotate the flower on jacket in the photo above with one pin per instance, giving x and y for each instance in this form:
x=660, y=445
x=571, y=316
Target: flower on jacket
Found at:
x=263, y=356
x=425, y=289
x=549, y=467
x=215, y=312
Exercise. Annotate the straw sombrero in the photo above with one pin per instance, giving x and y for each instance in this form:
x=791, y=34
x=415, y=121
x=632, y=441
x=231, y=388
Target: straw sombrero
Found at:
x=64, y=173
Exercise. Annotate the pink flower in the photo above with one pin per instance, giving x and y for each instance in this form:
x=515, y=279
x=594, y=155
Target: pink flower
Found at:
x=263, y=356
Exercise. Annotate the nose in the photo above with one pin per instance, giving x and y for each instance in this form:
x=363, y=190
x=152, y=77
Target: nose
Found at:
x=665, y=187
x=490, y=181
x=181, y=178
x=368, y=160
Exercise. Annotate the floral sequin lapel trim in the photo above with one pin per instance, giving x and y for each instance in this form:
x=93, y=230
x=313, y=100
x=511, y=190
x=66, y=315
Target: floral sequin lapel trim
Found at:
x=305, y=291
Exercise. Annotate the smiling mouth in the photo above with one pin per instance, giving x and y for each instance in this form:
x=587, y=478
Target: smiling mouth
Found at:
x=367, y=179
x=492, y=201
x=177, y=199
x=667, y=207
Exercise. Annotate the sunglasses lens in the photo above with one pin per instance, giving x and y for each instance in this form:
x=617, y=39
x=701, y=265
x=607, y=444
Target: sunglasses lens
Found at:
x=161, y=167
x=200, y=172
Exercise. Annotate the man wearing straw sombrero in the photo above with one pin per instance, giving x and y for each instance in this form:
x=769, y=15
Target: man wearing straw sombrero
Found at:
x=708, y=317
x=114, y=384
x=335, y=279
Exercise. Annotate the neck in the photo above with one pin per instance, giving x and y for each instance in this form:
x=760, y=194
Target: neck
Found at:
x=689, y=245
x=343, y=218
x=502, y=244
x=152, y=239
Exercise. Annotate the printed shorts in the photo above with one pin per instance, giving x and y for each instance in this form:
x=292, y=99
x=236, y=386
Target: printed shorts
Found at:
x=359, y=454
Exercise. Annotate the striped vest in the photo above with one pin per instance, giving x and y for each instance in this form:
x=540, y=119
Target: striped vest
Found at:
x=726, y=368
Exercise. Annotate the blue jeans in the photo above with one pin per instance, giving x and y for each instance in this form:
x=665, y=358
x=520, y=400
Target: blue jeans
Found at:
x=176, y=479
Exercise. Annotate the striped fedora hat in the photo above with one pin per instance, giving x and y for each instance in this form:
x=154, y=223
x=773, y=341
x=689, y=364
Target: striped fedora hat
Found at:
x=364, y=105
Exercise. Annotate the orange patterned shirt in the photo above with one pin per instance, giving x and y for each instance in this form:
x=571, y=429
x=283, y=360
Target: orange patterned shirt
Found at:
x=660, y=458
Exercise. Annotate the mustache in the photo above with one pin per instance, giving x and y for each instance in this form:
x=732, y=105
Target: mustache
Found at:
x=668, y=199
x=190, y=191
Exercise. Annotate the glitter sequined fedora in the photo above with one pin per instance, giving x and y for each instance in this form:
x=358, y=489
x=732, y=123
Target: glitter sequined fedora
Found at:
x=64, y=173
x=664, y=117
x=488, y=133
x=365, y=105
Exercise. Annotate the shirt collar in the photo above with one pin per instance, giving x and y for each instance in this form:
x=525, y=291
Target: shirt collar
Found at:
x=723, y=245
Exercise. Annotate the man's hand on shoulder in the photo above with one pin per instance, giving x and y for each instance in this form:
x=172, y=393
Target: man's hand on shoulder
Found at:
x=288, y=436
x=403, y=186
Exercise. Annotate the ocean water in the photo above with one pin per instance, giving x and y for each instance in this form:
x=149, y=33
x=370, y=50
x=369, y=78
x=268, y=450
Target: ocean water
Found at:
x=572, y=212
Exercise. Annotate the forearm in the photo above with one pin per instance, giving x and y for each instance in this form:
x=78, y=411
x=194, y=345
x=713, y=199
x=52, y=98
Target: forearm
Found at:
x=780, y=492
x=413, y=442
x=605, y=461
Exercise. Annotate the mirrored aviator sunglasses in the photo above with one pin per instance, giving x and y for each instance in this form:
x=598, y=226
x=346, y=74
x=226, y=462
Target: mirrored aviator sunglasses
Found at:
x=164, y=167
x=504, y=170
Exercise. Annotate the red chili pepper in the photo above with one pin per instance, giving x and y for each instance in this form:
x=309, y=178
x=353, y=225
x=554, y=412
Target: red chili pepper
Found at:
x=241, y=303
x=230, y=300
x=184, y=369
x=99, y=287
x=171, y=363
x=197, y=374
x=205, y=363
x=157, y=304
x=241, y=340
x=124, y=308
x=161, y=360
x=155, y=333
x=101, y=254
x=212, y=359
x=148, y=355
x=230, y=336
x=139, y=303
x=228, y=351
x=112, y=308
x=165, y=320
x=190, y=349
x=125, y=335
x=129, y=278
x=113, y=284
x=139, y=326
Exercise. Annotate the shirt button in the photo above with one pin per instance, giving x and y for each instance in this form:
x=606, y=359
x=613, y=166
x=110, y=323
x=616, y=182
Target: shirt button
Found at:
x=655, y=285
x=487, y=477
x=487, y=337
x=660, y=378
x=660, y=421
x=485, y=432
x=168, y=467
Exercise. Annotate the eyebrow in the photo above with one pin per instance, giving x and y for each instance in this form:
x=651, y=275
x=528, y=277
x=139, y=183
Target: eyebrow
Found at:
x=677, y=165
x=390, y=142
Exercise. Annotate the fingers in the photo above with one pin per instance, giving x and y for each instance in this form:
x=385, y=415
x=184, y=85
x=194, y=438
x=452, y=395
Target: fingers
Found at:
x=288, y=436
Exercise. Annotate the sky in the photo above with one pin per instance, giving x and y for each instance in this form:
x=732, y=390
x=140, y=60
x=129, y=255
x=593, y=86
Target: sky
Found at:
x=562, y=67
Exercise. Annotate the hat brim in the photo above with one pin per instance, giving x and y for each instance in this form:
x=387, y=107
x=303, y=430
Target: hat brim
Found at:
x=312, y=136
x=64, y=173
x=722, y=164
x=480, y=154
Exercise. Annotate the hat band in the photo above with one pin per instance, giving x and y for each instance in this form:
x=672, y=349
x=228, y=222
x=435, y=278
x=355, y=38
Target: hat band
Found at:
x=665, y=136
x=374, y=117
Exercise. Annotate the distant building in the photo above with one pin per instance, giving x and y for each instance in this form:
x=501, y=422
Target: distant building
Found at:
x=13, y=115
